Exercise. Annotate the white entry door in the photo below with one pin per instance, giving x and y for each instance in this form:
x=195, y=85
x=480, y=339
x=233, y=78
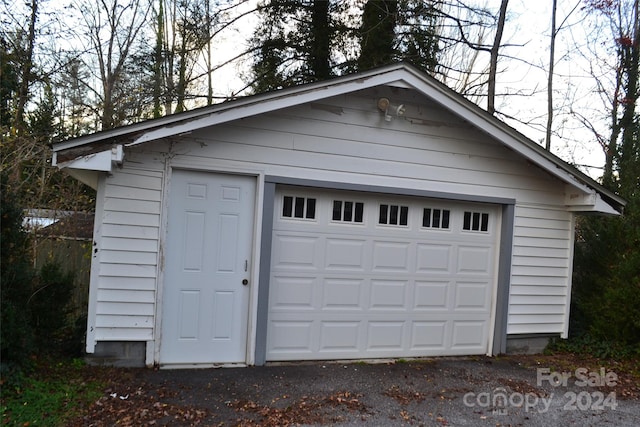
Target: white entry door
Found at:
x=207, y=266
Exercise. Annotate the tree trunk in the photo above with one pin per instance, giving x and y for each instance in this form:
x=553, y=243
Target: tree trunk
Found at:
x=493, y=67
x=625, y=98
x=320, y=40
x=209, y=53
x=552, y=51
x=629, y=163
x=157, y=64
x=25, y=72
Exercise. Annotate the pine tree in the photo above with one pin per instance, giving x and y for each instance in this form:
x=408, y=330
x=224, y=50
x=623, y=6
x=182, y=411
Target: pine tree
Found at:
x=294, y=43
x=378, y=34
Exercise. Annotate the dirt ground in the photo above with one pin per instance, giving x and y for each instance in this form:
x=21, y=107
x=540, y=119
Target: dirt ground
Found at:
x=477, y=391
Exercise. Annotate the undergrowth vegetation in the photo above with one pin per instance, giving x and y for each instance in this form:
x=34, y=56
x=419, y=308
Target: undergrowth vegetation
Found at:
x=50, y=393
x=589, y=345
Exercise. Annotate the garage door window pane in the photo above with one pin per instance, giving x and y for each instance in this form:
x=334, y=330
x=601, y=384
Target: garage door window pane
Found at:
x=311, y=209
x=404, y=215
x=359, y=212
x=393, y=214
x=445, y=218
x=484, y=225
x=287, y=206
x=337, y=210
x=299, y=211
x=384, y=210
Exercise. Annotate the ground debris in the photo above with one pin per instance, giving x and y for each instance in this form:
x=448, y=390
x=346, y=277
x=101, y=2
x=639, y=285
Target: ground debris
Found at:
x=305, y=410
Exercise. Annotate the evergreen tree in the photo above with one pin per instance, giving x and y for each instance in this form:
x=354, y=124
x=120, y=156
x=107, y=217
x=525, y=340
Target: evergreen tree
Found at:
x=294, y=42
x=301, y=41
x=8, y=82
x=378, y=34
x=417, y=35
x=607, y=263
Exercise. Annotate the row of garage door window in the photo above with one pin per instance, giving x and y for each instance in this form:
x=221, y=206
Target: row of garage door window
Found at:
x=346, y=211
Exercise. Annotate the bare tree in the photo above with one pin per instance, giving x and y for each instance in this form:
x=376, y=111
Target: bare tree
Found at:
x=613, y=59
x=187, y=35
x=464, y=30
x=552, y=51
x=113, y=28
x=555, y=29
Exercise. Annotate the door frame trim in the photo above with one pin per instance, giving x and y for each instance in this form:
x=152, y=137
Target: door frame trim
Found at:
x=169, y=168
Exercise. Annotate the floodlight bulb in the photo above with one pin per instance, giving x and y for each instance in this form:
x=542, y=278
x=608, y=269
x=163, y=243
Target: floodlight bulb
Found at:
x=383, y=104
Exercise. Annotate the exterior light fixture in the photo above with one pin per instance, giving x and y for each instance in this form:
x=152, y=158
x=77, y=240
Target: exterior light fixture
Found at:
x=390, y=110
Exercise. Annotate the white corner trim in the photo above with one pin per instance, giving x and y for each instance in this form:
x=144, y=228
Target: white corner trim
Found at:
x=149, y=354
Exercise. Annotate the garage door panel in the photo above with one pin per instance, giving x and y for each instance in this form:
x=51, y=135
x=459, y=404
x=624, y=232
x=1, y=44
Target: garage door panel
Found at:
x=297, y=252
x=345, y=254
x=388, y=294
x=390, y=256
x=293, y=293
x=386, y=336
x=432, y=258
x=468, y=334
x=340, y=336
x=293, y=336
x=472, y=296
x=343, y=294
x=429, y=335
x=430, y=295
x=474, y=259
x=346, y=290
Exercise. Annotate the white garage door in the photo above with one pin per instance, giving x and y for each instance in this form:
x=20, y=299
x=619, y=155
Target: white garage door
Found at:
x=357, y=275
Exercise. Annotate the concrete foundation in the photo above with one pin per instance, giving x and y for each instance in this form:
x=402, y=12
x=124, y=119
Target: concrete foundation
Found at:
x=118, y=353
x=527, y=344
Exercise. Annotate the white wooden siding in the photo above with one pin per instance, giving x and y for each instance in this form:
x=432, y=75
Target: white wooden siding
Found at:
x=540, y=272
x=344, y=139
x=128, y=254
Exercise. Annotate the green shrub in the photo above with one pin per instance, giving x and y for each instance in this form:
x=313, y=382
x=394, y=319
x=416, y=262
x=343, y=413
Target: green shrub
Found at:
x=49, y=306
x=34, y=307
x=16, y=276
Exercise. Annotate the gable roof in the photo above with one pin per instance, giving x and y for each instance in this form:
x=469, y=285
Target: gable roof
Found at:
x=76, y=153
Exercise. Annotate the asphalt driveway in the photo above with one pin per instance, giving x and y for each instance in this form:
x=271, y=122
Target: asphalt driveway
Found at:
x=434, y=392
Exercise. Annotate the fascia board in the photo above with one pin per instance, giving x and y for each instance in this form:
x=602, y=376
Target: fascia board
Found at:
x=98, y=162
